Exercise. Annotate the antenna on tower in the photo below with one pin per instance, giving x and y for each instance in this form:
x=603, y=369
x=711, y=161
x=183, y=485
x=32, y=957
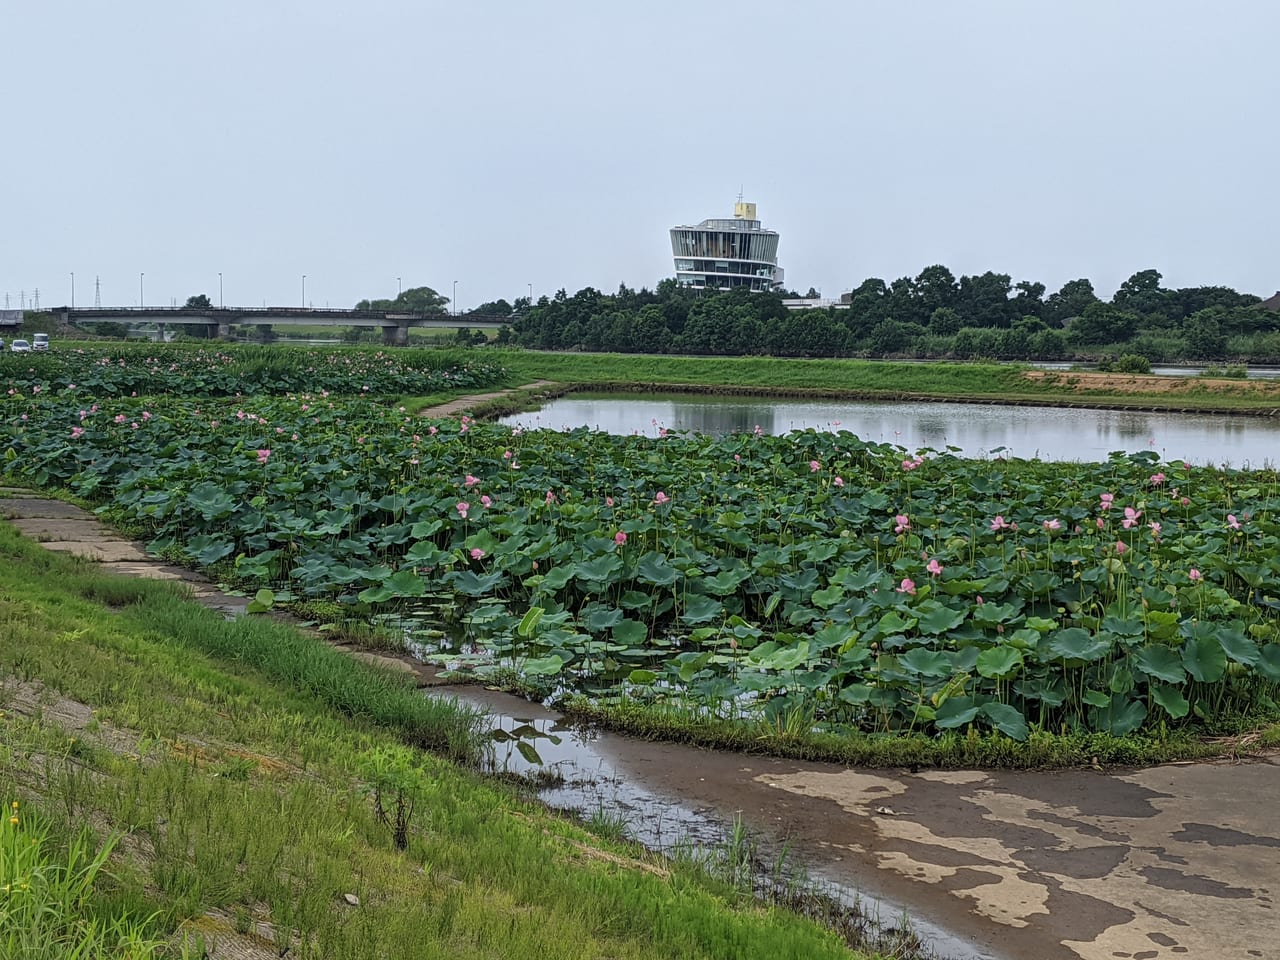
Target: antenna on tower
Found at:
x=740, y=188
x=36, y=303
x=97, y=294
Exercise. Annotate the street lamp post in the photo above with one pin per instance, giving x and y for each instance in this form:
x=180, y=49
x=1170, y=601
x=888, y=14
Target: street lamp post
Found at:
x=73, y=289
x=219, y=289
x=399, y=288
x=454, y=302
x=142, y=300
x=304, y=290
x=531, y=294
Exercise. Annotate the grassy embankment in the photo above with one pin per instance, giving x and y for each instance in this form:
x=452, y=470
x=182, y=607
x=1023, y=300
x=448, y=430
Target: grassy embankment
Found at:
x=239, y=804
x=884, y=379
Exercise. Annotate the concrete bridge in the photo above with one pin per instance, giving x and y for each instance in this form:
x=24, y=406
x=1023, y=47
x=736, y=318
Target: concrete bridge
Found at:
x=219, y=320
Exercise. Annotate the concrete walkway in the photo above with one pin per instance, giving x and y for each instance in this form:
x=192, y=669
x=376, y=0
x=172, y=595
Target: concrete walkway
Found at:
x=1175, y=861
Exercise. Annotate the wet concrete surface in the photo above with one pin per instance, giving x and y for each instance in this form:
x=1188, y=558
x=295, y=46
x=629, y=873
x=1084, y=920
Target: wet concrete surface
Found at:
x=1179, y=860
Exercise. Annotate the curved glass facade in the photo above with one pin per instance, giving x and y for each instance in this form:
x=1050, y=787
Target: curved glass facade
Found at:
x=722, y=254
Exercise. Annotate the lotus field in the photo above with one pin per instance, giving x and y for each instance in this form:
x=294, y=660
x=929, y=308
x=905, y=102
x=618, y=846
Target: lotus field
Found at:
x=815, y=576
x=96, y=371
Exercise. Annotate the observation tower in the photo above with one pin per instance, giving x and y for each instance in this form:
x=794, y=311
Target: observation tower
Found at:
x=723, y=254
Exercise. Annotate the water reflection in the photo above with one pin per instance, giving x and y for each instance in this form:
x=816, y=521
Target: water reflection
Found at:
x=978, y=430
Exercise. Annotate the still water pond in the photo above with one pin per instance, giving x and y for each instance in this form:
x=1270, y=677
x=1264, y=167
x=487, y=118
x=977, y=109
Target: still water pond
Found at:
x=978, y=430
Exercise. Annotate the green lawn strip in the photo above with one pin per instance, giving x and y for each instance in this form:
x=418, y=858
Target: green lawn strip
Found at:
x=855, y=378
x=241, y=795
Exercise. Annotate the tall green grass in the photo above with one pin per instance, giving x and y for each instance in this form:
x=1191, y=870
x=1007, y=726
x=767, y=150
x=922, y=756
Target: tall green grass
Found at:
x=242, y=795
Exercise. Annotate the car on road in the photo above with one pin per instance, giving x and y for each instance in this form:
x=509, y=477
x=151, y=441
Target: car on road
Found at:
x=20, y=346
x=40, y=341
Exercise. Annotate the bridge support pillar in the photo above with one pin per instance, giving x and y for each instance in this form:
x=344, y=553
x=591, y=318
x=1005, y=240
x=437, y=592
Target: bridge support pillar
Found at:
x=397, y=336
x=221, y=330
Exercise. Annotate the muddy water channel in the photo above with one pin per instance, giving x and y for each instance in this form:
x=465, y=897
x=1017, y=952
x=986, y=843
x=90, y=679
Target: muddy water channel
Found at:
x=1163, y=863
x=977, y=430
x=670, y=797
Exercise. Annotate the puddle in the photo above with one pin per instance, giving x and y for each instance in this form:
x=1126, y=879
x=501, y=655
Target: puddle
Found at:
x=599, y=774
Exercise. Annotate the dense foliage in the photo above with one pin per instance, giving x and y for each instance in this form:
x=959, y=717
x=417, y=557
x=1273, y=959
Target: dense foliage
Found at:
x=930, y=315
x=100, y=370
x=812, y=576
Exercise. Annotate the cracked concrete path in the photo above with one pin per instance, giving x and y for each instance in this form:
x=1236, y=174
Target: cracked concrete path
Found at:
x=1174, y=861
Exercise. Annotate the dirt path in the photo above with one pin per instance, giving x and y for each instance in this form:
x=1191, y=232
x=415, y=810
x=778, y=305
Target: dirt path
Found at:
x=1180, y=860
x=463, y=404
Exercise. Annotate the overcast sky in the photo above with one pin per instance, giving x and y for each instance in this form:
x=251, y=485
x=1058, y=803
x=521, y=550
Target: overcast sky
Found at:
x=508, y=143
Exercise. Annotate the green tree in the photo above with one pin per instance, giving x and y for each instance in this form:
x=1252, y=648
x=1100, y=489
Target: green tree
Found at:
x=1071, y=301
x=1204, y=336
x=200, y=301
x=945, y=321
x=935, y=288
x=414, y=300
x=1102, y=323
x=1142, y=294
x=983, y=301
x=493, y=308
x=1029, y=300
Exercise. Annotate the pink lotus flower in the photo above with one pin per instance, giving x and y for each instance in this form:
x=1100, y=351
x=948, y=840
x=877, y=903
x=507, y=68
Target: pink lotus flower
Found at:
x=608, y=501
x=619, y=538
x=980, y=600
x=1156, y=479
x=1195, y=575
x=1232, y=522
x=1107, y=499
x=506, y=454
x=486, y=500
x=907, y=586
x=551, y=497
x=470, y=481
x=934, y=567
x=814, y=466
x=999, y=523
x=146, y=414
x=1130, y=517
x=1185, y=501
x=661, y=498
x=1120, y=548
x=477, y=553
x=909, y=465
x=119, y=418
x=1155, y=528
x=462, y=507
x=263, y=454
x=432, y=431
x=1054, y=524
x=902, y=523
x=77, y=432
x=838, y=482
x=1100, y=523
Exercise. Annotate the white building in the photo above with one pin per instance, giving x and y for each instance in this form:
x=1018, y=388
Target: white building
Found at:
x=723, y=254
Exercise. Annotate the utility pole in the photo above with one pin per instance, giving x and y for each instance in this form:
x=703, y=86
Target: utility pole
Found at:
x=220, y=303
x=73, y=289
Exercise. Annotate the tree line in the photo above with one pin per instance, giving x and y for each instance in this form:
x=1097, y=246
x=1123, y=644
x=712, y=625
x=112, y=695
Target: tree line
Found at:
x=931, y=315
